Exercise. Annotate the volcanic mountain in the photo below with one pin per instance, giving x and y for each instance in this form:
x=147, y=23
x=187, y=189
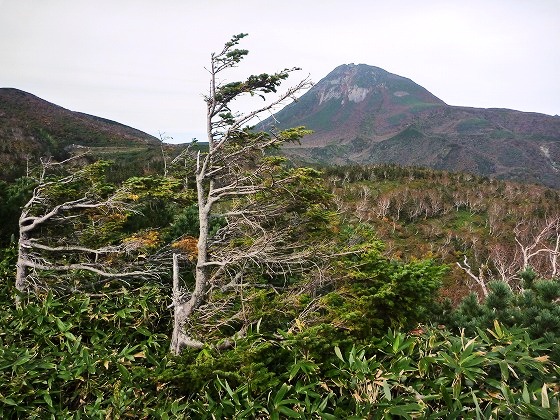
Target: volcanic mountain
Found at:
x=31, y=127
x=366, y=115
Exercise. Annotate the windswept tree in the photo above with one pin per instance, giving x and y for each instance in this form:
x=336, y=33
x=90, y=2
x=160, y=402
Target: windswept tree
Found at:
x=69, y=230
x=256, y=215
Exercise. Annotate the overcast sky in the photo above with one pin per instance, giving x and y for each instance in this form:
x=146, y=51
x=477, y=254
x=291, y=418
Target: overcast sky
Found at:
x=141, y=62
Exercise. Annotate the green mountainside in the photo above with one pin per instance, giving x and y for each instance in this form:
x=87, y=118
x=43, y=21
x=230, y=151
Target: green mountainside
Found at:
x=366, y=115
x=31, y=128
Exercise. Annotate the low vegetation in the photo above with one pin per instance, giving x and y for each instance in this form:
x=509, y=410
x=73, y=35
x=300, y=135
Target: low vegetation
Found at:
x=99, y=357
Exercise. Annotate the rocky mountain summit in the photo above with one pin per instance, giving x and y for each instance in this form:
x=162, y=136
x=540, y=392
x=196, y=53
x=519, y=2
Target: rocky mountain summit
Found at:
x=363, y=114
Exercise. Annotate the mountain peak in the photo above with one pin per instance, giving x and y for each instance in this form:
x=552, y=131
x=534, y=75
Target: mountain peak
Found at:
x=347, y=102
x=365, y=114
x=354, y=82
x=355, y=68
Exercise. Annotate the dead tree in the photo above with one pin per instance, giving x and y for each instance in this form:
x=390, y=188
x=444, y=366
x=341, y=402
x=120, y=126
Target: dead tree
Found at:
x=480, y=277
x=539, y=245
x=506, y=262
x=52, y=225
x=253, y=194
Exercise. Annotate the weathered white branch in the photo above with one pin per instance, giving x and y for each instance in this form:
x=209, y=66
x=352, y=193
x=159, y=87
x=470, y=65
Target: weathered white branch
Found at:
x=103, y=273
x=105, y=250
x=479, y=279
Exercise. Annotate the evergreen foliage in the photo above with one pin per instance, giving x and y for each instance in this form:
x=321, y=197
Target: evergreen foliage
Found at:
x=534, y=308
x=12, y=197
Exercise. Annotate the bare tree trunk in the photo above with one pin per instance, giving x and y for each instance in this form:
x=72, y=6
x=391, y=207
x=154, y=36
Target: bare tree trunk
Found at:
x=202, y=277
x=554, y=255
x=184, y=310
x=178, y=338
x=21, y=267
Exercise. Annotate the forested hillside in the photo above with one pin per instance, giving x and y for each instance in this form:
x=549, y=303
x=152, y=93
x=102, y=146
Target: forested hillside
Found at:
x=32, y=128
x=485, y=229
x=231, y=283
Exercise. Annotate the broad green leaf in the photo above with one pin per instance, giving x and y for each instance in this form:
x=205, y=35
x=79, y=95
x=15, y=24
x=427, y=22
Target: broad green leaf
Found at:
x=478, y=411
x=504, y=369
x=289, y=412
x=69, y=336
x=525, y=394
x=396, y=343
x=61, y=326
x=472, y=360
x=124, y=371
x=338, y=353
x=323, y=404
x=8, y=401
x=280, y=395
x=545, y=403
x=447, y=397
x=498, y=329
x=405, y=410
x=386, y=390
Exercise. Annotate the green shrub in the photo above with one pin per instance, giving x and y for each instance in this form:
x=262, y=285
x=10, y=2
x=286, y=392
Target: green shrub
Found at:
x=379, y=293
x=499, y=373
x=534, y=308
x=92, y=357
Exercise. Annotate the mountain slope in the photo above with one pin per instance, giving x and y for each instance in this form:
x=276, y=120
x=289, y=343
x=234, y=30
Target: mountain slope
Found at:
x=31, y=127
x=364, y=114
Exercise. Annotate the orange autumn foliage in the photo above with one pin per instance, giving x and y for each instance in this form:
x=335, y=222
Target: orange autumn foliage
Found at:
x=187, y=245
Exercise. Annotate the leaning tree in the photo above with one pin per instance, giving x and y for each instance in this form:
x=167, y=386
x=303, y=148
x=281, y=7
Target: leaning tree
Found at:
x=256, y=215
x=69, y=231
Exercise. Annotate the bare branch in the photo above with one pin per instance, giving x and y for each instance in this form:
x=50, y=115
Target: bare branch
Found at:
x=479, y=279
x=91, y=268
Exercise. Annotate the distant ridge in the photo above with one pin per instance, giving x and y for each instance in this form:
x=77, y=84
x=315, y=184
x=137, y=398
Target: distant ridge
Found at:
x=364, y=114
x=31, y=127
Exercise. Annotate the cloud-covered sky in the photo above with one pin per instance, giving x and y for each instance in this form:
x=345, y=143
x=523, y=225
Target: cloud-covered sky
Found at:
x=141, y=62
